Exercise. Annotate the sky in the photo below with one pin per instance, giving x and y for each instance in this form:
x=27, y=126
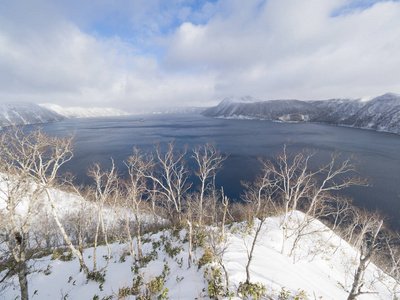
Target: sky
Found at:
x=140, y=54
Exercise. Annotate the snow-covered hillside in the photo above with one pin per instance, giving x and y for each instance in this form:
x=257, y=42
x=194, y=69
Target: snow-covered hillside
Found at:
x=322, y=266
x=380, y=113
x=22, y=113
x=80, y=112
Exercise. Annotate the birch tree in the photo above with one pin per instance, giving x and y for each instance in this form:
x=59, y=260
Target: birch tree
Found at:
x=257, y=195
x=297, y=186
x=171, y=175
x=19, y=204
x=104, y=193
x=29, y=165
x=136, y=189
x=209, y=161
x=370, y=226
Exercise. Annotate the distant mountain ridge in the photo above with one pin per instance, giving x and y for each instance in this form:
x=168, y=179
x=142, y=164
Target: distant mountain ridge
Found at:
x=81, y=112
x=23, y=113
x=381, y=113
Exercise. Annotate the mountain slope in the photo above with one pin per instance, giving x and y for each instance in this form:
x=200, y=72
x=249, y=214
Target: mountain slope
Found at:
x=380, y=113
x=271, y=109
x=80, y=112
x=22, y=113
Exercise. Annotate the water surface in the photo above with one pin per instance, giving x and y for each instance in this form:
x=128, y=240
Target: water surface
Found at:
x=99, y=139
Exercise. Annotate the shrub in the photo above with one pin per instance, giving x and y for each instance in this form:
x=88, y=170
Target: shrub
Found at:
x=206, y=258
x=67, y=257
x=253, y=290
x=97, y=276
x=172, y=251
x=214, y=279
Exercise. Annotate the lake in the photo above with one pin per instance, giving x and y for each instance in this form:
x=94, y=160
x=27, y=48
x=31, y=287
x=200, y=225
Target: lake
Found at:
x=100, y=139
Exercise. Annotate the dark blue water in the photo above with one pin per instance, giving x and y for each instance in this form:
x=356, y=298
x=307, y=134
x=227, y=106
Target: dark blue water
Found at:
x=99, y=139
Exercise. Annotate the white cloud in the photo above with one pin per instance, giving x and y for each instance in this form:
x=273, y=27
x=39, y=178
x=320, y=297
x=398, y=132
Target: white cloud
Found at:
x=296, y=49
x=268, y=49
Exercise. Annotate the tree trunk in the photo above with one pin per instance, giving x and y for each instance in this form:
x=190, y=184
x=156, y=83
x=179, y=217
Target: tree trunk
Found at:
x=201, y=202
x=357, y=285
x=225, y=202
x=65, y=235
x=250, y=255
x=139, y=243
x=23, y=282
x=226, y=276
x=190, y=243
x=128, y=232
x=285, y=227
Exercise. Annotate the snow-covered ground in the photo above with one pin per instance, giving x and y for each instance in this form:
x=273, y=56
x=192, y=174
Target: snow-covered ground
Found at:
x=80, y=112
x=322, y=267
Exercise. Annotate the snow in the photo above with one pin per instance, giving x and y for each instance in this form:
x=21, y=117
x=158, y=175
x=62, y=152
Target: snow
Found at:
x=244, y=99
x=22, y=113
x=80, y=112
x=322, y=264
x=366, y=98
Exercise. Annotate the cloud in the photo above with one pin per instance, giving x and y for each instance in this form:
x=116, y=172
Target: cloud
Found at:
x=137, y=54
x=295, y=49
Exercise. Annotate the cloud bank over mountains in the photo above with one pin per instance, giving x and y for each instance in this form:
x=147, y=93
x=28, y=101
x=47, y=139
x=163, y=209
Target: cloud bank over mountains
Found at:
x=139, y=54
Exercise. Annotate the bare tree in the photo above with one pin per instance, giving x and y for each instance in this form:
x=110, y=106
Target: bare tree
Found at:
x=171, y=175
x=85, y=219
x=218, y=245
x=104, y=192
x=257, y=195
x=189, y=221
x=136, y=189
x=211, y=204
x=225, y=205
x=43, y=156
x=369, y=226
x=18, y=225
x=296, y=186
x=209, y=161
x=391, y=263
x=29, y=163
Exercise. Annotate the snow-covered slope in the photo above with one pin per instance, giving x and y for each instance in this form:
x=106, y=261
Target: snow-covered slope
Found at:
x=322, y=266
x=380, y=113
x=22, y=113
x=80, y=112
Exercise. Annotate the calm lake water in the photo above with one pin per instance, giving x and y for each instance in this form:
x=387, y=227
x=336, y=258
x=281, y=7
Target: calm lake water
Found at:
x=99, y=139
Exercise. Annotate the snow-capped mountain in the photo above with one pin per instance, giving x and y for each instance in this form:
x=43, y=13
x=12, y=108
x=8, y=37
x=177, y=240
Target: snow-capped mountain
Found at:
x=245, y=99
x=22, y=113
x=381, y=113
x=81, y=112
